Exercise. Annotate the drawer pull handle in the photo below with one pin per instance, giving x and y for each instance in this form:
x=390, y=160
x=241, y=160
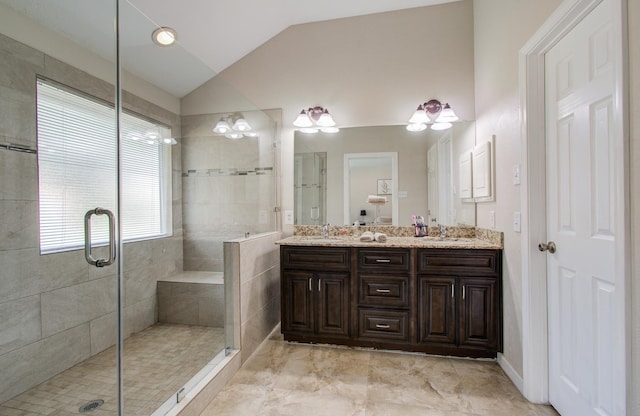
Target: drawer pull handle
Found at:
x=382, y=326
x=310, y=285
x=383, y=291
x=383, y=261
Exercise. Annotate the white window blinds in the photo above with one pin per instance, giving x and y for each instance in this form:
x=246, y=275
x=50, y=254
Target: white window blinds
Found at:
x=77, y=170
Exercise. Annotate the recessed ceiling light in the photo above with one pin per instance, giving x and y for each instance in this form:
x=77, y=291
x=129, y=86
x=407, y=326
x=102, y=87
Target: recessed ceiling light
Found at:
x=164, y=36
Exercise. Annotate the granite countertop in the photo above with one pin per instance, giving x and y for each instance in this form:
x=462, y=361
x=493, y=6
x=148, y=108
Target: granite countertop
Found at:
x=400, y=242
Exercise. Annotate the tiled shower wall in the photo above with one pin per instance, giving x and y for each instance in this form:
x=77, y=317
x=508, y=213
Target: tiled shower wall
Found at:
x=56, y=310
x=228, y=190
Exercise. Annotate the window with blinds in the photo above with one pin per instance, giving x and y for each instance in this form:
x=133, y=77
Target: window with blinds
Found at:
x=77, y=170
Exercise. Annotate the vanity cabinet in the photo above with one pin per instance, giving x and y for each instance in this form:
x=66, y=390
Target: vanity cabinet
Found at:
x=459, y=301
x=315, y=292
x=437, y=301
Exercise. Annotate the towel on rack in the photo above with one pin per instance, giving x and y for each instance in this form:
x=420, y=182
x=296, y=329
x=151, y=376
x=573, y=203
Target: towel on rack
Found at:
x=367, y=236
x=380, y=237
x=375, y=199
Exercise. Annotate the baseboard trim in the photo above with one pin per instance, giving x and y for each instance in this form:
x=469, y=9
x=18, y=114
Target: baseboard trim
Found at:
x=513, y=375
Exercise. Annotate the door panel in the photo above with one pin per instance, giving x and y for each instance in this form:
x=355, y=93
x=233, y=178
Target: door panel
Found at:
x=333, y=303
x=437, y=315
x=296, y=300
x=583, y=370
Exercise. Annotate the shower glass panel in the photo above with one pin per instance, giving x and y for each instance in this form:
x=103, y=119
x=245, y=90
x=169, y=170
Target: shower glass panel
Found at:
x=177, y=190
x=58, y=159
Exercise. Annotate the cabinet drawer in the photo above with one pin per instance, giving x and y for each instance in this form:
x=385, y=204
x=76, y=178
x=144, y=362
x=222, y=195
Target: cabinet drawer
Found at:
x=381, y=290
x=315, y=258
x=459, y=262
x=383, y=325
x=384, y=259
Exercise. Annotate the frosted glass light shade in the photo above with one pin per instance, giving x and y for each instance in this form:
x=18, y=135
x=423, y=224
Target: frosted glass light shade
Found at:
x=233, y=136
x=222, y=127
x=416, y=126
x=241, y=125
x=447, y=115
x=308, y=130
x=303, y=120
x=441, y=126
x=325, y=120
x=419, y=116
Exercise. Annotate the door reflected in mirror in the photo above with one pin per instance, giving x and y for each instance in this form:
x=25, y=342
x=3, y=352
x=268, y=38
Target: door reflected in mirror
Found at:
x=423, y=187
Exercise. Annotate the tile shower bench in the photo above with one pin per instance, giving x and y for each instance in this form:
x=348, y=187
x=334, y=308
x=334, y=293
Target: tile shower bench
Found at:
x=192, y=298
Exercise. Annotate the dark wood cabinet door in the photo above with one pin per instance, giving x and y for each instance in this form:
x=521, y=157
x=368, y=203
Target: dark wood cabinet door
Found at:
x=332, y=294
x=478, y=312
x=297, y=302
x=436, y=310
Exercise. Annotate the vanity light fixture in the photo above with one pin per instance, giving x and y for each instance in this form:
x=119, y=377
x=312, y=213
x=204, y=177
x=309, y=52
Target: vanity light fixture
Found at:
x=164, y=36
x=315, y=119
x=234, y=126
x=434, y=113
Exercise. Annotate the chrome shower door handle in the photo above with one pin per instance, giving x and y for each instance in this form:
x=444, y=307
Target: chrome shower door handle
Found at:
x=87, y=237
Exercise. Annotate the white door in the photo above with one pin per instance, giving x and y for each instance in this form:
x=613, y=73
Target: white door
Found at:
x=586, y=375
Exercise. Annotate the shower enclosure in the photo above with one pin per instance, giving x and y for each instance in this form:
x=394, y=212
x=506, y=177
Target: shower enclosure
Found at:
x=108, y=192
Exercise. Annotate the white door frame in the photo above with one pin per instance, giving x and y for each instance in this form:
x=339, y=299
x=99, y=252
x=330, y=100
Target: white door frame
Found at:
x=533, y=196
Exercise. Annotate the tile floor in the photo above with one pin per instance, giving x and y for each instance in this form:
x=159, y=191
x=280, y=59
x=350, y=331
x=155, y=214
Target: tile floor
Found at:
x=283, y=379
x=157, y=362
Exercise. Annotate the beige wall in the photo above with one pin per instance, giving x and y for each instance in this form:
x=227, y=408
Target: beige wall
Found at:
x=501, y=29
x=368, y=71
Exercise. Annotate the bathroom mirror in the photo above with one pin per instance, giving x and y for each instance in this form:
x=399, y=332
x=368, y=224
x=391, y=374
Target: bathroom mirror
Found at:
x=427, y=178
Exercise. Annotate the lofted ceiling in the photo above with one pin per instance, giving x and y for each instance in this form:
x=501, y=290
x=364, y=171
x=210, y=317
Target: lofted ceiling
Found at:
x=212, y=34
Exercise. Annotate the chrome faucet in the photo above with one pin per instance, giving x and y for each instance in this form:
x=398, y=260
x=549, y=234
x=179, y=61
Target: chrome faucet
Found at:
x=325, y=229
x=443, y=231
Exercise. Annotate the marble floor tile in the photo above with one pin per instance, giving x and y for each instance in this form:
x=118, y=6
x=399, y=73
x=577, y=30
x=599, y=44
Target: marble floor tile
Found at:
x=284, y=378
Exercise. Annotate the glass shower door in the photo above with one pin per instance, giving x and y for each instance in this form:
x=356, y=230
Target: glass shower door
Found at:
x=58, y=161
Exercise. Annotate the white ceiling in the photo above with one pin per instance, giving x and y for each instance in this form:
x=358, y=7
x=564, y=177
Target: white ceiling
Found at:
x=220, y=32
x=212, y=34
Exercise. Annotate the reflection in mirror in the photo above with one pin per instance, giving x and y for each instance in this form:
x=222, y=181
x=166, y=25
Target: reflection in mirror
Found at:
x=370, y=188
x=428, y=172
x=310, y=188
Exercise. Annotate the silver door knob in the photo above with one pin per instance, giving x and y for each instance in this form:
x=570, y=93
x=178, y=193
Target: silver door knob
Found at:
x=550, y=247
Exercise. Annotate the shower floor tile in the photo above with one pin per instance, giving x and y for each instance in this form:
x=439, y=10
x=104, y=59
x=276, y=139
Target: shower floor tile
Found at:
x=157, y=362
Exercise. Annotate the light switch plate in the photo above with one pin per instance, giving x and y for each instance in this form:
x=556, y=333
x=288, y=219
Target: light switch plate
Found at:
x=492, y=219
x=402, y=194
x=516, y=221
x=516, y=174
x=288, y=217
